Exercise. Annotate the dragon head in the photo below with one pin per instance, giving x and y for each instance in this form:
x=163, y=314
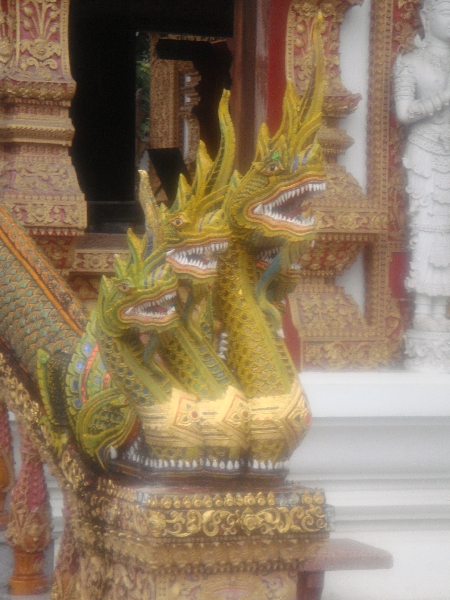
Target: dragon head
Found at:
x=195, y=228
x=271, y=200
x=142, y=295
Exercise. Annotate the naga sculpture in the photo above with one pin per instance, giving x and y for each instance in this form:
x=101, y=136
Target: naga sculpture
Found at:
x=180, y=379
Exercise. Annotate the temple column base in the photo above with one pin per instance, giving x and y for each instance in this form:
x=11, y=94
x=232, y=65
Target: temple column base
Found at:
x=28, y=578
x=427, y=351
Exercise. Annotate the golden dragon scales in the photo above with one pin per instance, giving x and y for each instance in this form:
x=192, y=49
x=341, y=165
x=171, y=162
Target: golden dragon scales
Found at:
x=181, y=370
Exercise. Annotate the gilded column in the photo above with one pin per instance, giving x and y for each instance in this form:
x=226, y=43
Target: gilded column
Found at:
x=38, y=181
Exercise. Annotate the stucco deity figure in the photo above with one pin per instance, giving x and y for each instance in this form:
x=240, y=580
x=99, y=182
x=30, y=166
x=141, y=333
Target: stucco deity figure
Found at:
x=422, y=99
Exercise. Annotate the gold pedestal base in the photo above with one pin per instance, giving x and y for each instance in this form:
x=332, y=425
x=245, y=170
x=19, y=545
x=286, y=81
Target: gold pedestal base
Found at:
x=165, y=543
x=277, y=585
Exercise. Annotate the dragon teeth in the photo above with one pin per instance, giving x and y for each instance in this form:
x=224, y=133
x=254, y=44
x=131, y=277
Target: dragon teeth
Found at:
x=266, y=209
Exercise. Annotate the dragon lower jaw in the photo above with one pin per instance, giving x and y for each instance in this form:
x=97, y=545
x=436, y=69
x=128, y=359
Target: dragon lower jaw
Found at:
x=149, y=312
x=200, y=260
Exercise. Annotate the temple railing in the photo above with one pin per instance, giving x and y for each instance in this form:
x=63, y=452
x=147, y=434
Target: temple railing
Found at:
x=27, y=523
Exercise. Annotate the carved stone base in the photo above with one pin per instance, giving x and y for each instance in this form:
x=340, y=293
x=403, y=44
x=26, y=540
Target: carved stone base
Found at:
x=427, y=351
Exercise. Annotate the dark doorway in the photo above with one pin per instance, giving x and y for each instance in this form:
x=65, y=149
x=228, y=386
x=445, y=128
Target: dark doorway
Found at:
x=103, y=53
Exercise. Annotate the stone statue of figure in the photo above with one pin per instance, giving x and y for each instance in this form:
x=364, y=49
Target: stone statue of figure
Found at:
x=422, y=98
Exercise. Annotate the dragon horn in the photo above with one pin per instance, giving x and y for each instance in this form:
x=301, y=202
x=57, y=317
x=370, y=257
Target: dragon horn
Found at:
x=222, y=168
x=309, y=114
x=154, y=234
x=183, y=193
x=302, y=118
x=263, y=142
x=202, y=170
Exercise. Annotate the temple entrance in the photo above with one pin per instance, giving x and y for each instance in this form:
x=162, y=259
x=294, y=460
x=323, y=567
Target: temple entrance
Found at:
x=105, y=39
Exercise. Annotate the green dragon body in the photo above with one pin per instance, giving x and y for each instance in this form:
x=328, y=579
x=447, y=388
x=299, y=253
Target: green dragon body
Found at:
x=146, y=388
x=266, y=209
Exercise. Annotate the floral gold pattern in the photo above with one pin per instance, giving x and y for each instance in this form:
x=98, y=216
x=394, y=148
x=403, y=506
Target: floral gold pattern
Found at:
x=333, y=332
x=39, y=183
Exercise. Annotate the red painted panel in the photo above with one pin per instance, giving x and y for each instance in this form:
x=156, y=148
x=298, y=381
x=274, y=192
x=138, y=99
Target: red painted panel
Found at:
x=397, y=273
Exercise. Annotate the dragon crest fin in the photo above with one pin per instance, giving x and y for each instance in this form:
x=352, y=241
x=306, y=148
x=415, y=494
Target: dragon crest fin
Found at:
x=309, y=114
x=182, y=197
x=203, y=167
x=153, y=226
x=263, y=143
x=302, y=117
x=223, y=163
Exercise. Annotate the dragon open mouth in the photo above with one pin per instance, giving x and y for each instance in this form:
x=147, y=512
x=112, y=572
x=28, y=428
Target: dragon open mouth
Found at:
x=199, y=260
x=160, y=310
x=286, y=208
x=266, y=257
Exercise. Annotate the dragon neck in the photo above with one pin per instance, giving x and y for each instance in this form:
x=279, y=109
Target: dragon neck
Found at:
x=195, y=363
x=123, y=358
x=199, y=314
x=256, y=354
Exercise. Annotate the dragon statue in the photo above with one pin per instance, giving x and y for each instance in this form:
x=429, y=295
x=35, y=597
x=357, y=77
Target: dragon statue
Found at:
x=181, y=375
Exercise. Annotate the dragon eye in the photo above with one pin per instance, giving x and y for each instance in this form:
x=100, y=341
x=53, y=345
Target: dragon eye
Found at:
x=124, y=286
x=272, y=168
x=178, y=222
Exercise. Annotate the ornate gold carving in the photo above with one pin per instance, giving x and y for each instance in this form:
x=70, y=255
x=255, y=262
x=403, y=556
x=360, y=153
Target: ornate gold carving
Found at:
x=329, y=256
x=39, y=50
x=172, y=98
x=34, y=50
x=39, y=182
x=229, y=514
x=326, y=308
x=299, y=59
x=60, y=250
x=227, y=556
x=47, y=219
x=96, y=261
x=7, y=32
x=331, y=327
x=280, y=585
x=67, y=568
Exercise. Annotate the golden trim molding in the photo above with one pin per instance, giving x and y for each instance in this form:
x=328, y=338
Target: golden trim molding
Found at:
x=333, y=332
x=39, y=183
